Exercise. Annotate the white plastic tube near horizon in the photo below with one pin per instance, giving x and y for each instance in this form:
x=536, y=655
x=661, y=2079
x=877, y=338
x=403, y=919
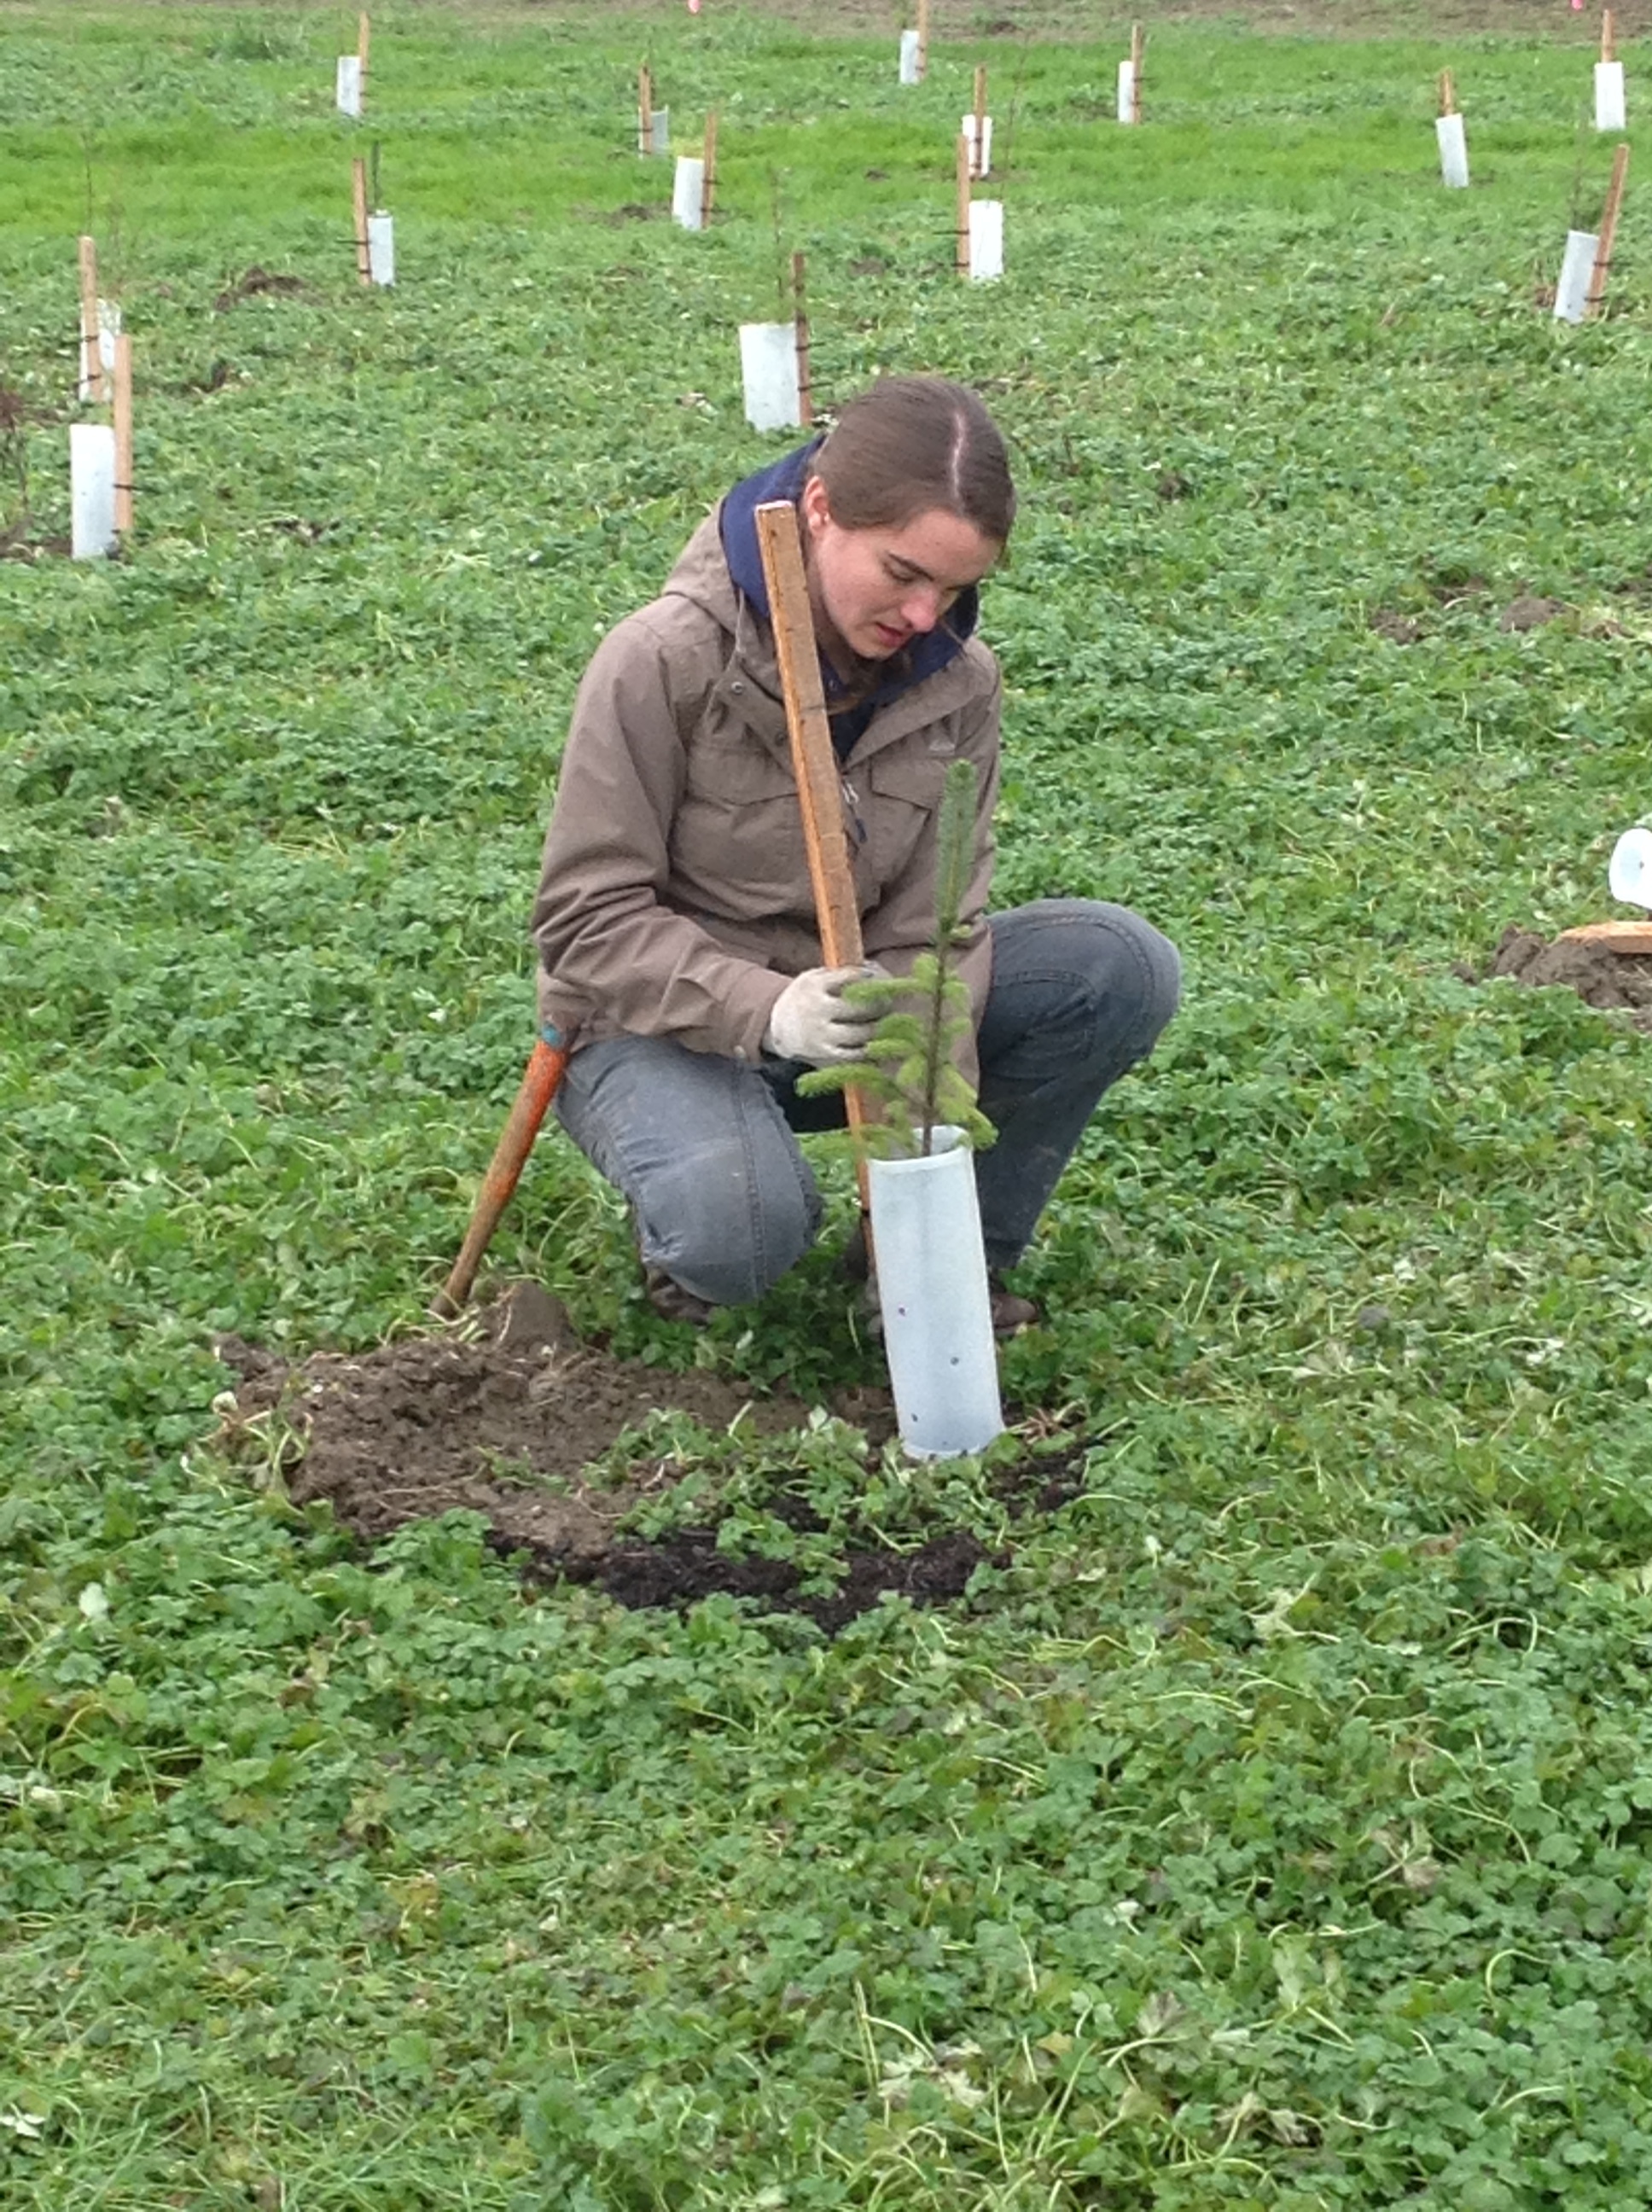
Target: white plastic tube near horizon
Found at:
x=1127, y=92
x=768, y=371
x=658, y=137
x=347, y=85
x=1454, y=149
x=108, y=331
x=986, y=241
x=980, y=157
x=937, y=1306
x=1631, y=873
x=1609, y=105
x=91, y=490
x=688, y=192
x=912, y=58
x=1571, y=293
x=381, y=248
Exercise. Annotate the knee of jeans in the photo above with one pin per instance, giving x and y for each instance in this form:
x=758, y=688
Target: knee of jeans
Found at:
x=1130, y=972
x=727, y=1232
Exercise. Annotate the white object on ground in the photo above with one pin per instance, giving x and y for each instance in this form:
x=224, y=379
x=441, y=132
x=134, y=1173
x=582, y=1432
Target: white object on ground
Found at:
x=1127, y=92
x=912, y=58
x=986, y=241
x=688, y=192
x=381, y=248
x=1609, y=106
x=1454, y=149
x=769, y=370
x=656, y=139
x=347, y=92
x=1571, y=293
x=1631, y=873
x=980, y=159
x=937, y=1306
x=91, y=490
x=108, y=331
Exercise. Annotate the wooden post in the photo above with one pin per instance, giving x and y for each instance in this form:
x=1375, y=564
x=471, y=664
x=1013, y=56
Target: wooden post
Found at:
x=923, y=39
x=800, y=317
x=91, y=348
x=708, y=182
x=363, y=36
x=359, y=201
x=1608, y=38
x=1608, y=231
x=123, y=414
x=964, y=204
x=645, y=110
x=1135, y=72
x=981, y=121
x=1447, y=93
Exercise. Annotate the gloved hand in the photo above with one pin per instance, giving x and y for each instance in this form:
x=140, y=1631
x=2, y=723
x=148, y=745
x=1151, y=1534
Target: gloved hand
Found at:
x=811, y=1021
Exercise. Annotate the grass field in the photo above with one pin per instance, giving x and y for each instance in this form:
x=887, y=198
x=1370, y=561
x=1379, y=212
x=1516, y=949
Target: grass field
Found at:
x=1270, y=1829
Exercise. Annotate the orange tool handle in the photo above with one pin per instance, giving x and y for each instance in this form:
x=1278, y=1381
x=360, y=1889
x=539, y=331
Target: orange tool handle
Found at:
x=540, y=1085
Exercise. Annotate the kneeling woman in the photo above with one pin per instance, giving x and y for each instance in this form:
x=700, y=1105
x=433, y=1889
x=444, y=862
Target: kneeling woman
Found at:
x=675, y=920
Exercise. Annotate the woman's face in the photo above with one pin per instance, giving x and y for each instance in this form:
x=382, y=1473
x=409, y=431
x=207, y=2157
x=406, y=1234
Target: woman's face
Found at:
x=874, y=591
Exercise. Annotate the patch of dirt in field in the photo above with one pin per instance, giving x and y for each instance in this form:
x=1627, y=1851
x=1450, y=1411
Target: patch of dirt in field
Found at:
x=506, y=1421
x=1398, y=629
x=256, y=283
x=1528, y=612
x=1616, y=983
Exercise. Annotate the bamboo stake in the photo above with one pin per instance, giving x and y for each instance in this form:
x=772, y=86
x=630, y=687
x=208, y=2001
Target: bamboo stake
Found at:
x=708, y=182
x=800, y=318
x=981, y=121
x=363, y=36
x=923, y=39
x=1447, y=93
x=122, y=415
x=1135, y=72
x=1608, y=231
x=91, y=350
x=963, y=205
x=645, y=110
x=1608, y=38
x=359, y=199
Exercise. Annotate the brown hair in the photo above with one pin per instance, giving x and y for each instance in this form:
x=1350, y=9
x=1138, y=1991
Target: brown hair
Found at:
x=910, y=443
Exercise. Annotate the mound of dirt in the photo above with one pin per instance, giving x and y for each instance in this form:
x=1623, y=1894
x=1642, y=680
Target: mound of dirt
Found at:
x=256, y=282
x=505, y=1422
x=1615, y=981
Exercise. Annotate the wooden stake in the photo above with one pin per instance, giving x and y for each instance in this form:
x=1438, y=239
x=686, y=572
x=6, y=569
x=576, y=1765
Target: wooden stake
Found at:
x=708, y=184
x=645, y=110
x=123, y=414
x=981, y=121
x=800, y=317
x=91, y=350
x=1447, y=93
x=363, y=36
x=1135, y=72
x=814, y=763
x=1608, y=231
x=1608, y=38
x=963, y=205
x=359, y=200
x=923, y=39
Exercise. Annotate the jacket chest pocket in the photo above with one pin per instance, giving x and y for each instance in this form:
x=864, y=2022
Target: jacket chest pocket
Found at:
x=738, y=835
x=901, y=796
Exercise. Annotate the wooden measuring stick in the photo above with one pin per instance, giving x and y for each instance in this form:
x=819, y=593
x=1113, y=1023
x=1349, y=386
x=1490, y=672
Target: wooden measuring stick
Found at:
x=1447, y=93
x=123, y=414
x=645, y=110
x=801, y=324
x=708, y=182
x=814, y=763
x=1135, y=72
x=1608, y=231
x=1608, y=39
x=964, y=204
x=91, y=346
x=359, y=200
x=981, y=121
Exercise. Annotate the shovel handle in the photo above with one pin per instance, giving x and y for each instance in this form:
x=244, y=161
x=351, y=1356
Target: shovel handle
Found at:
x=540, y=1085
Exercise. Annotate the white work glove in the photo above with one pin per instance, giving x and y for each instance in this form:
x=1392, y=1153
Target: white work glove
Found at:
x=811, y=1021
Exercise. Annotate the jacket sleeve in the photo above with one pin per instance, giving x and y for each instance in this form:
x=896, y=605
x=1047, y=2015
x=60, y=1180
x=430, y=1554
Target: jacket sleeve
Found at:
x=598, y=920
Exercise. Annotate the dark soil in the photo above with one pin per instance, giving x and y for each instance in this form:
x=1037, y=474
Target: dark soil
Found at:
x=257, y=282
x=1615, y=981
x=1398, y=629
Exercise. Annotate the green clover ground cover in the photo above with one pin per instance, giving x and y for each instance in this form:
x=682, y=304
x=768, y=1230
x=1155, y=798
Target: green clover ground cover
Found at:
x=1270, y=1829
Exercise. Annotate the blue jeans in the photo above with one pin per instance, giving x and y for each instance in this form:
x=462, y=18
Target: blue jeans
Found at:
x=704, y=1148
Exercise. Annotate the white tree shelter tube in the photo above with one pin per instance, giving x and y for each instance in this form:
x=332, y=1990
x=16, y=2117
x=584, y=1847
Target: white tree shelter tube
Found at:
x=1127, y=92
x=912, y=57
x=91, y=490
x=937, y=1306
x=688, y=192
x=1609, y=102
x=980, y=157
x=768, y=371
x=1571, y=293
x=1454, y=150
x=347, y=85
x=381, y=248
x=986, y=241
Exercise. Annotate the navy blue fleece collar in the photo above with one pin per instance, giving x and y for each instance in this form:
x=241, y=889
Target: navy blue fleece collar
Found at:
x=784, y=479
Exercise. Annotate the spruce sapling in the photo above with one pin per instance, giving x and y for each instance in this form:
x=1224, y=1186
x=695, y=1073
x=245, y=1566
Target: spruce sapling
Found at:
x=907, y=1076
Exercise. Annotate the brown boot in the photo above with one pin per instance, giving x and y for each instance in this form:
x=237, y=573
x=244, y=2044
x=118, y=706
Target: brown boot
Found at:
x=672, y=1302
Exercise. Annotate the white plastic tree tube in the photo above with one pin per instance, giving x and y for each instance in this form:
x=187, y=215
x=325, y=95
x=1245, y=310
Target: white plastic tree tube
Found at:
x=1454, y=149
x=659, y=131
x=347, y=91
x=769, y=370
x=91, y=490
x=986, y=241
x=1127, y=92
x=688, y=192
x=1631, y=872
x=1571, y=293
x=912, y=57
x=1609, y=105
x=937, y=1307
x=381, y=248
x=108, y=331
x=980, y=157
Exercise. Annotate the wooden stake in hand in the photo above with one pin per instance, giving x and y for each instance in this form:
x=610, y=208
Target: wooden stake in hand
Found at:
x=1136, y=43
x=91, y=346
x=1447, y=93
x=359, y=201
x=964, y=204
x=1608, y=231
x=1608, y=38
x=708, y=182
x=123, y=414
x=801, y=324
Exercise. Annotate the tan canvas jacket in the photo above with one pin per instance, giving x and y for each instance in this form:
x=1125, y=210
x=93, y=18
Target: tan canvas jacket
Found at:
x=674, y=898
